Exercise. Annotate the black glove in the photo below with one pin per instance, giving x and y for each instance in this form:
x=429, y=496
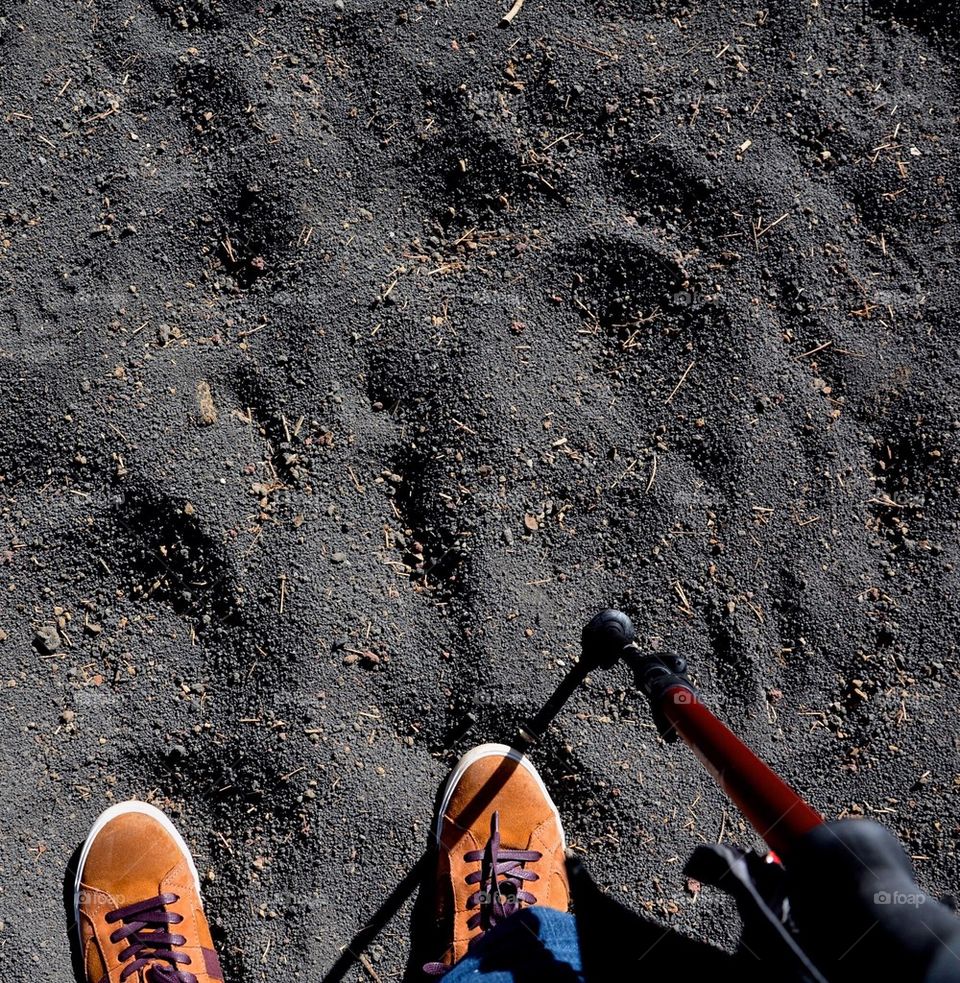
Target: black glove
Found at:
x=859, y=911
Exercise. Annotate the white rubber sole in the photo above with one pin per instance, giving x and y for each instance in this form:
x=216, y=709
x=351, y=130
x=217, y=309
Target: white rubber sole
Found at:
x=110, y=814
x=491, y=751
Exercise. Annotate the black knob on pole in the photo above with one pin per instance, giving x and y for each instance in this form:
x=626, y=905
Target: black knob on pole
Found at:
x=605, y=637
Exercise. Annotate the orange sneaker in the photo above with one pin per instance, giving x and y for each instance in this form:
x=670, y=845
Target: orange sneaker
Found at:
x=137, y=903
x=501, y=847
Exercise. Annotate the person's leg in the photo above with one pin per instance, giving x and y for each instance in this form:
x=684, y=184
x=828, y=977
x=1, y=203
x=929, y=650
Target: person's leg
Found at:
x=137, y=903
x=501, y=882
x=531, y=946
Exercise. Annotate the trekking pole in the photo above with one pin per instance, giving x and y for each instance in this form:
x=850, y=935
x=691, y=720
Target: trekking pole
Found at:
x=773, y=808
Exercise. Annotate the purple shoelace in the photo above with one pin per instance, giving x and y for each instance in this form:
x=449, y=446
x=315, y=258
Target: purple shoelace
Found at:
x=149, y=945
x=500, y=881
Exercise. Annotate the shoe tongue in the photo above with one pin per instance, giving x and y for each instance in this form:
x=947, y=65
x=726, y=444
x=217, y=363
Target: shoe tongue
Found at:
x=516, y=829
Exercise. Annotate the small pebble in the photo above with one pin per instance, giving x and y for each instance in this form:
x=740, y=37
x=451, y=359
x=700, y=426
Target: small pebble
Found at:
x=47, y=639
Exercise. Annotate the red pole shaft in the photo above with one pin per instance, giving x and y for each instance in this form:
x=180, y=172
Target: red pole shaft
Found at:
x=774, y=809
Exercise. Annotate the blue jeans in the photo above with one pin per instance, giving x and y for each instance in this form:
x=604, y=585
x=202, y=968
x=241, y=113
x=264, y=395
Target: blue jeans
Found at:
x=536, y=945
